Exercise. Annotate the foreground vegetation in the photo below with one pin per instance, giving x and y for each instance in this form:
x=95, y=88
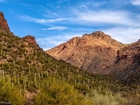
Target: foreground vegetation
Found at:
x=53, y=92
x=29, y=76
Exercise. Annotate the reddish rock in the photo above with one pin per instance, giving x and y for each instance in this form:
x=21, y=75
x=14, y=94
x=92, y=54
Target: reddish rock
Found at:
x=127, y=64
x=3, y=23
x=99, y=53
x=94, y=52
x=31, y=40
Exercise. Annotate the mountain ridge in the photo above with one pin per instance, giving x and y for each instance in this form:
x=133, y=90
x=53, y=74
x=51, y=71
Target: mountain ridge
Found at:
x=127, y=64
x=82, y=49
x=99, y=53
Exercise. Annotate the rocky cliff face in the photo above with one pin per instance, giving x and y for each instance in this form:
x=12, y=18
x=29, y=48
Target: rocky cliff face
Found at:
x=94, y=52
x=127, y=64
x=3, y=23
x=31, y=40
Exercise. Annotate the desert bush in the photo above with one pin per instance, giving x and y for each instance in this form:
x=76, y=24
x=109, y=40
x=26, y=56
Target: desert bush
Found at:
x=56, y=92
x=108, y=98
x=9, y=93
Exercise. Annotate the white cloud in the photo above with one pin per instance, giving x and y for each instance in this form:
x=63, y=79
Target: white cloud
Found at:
x=56, y=20
x=105, y=16
x=41, y=21
x=135, y=2
x=55, y=28
x=52, y=41
x=31, y=19
x=87, y=4
x=124, y=25
x=124, y=35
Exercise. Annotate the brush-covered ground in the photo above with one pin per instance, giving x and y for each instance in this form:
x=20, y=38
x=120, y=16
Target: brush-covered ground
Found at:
x=29, y=76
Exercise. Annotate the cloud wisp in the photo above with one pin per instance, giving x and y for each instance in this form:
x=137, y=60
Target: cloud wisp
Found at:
x=37, y=20
x=105, y=17
x=123, y=34
x=135, y=2
x=119, y=22
x=83, y=14
x=52, y=40
x=56, y=28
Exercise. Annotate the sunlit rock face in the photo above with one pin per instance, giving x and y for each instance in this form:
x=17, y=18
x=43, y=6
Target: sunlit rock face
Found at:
x=94, y=52
x=3, y=23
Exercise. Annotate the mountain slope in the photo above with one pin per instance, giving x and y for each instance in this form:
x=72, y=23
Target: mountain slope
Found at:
x=94, y=52
x=127, y=64
x=27, y=67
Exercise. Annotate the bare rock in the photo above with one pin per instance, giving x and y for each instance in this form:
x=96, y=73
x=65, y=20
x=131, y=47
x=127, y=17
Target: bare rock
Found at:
x=127, y=65
x=94, y=52
x=31, y=40
x=3, y=23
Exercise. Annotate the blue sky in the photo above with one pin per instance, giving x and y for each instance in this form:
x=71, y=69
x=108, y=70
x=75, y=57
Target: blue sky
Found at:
x=55, y=21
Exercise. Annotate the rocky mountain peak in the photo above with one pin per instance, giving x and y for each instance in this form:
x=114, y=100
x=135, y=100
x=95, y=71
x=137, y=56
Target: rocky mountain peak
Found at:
x=31, y=40
x=74, y=40
x=3, y=23
x=88, y=51
x=97, y=34
x=101, y=39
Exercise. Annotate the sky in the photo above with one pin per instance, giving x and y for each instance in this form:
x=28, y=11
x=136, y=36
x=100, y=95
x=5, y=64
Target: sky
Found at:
x=53, y=22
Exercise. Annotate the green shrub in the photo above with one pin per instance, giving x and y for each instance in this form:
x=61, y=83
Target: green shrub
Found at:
x=56, y=92
x=108, y=99
x=9, y=93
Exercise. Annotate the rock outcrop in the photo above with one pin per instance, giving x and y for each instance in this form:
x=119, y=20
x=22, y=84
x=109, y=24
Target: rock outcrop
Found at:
x=3, y=23
x=127, y=64
x=94, y=52
x=31, y=40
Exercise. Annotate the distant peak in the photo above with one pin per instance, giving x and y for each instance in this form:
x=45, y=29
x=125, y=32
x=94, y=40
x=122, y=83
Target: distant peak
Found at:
x=3, y=23
x=29, y=36
x=98, y=32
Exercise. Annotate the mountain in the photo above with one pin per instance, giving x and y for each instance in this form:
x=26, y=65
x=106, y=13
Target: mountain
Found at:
x=29, y=76
x=26, y=70
x=3, y=23
x=99, y=53
x=127, y=64
x=94, y=52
